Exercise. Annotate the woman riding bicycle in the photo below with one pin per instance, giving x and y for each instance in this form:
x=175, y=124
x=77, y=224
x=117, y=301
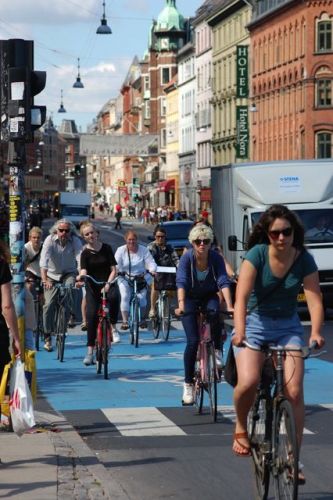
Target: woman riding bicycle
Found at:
x=276, y=253
x=98, y=261
x=200, y=275
x=133, y=259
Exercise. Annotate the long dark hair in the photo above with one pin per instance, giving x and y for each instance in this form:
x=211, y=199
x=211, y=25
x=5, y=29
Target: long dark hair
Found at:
x=4, y=252
x=260, y=229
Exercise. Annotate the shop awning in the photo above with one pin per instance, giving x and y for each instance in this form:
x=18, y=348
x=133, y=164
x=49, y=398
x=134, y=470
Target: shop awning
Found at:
x=166, y=186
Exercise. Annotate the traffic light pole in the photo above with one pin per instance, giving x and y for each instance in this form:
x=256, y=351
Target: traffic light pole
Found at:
x=16, y=163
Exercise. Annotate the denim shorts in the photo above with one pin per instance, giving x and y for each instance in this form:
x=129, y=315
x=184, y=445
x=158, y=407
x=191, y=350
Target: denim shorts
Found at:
x=283, y=332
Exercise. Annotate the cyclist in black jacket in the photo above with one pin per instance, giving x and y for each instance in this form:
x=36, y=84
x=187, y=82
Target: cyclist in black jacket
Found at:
x=164, y=255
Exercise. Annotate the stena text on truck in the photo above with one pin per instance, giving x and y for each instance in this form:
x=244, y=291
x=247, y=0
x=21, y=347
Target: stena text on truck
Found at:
x=242, y=191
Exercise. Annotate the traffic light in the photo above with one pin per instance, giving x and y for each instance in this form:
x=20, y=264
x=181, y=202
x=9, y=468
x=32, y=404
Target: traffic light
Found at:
x=19, y=84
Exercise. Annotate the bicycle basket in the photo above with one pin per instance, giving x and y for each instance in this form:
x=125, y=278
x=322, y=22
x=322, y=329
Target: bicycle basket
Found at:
x=165, y=281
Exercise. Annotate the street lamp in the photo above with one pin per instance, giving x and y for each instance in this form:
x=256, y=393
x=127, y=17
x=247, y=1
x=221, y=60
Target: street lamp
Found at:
x=103, y=29
x=61, y=108
x=78, y=84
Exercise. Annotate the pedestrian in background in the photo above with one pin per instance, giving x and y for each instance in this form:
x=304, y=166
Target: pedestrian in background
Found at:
x=118, y=215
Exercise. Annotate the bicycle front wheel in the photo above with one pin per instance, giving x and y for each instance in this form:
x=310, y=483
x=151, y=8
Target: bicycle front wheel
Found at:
x=106, y=336
x=258, y=420
x=165, y=317
x=155, y=323
x=211, y=376
x=285, y=460
x=198, y=388
x=136, y=321
x=61, y=333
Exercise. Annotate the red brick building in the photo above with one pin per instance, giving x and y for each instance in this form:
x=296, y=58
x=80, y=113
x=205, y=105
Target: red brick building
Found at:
x=291, y=80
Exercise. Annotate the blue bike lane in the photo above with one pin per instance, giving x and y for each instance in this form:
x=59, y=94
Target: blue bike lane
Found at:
x=149, y=376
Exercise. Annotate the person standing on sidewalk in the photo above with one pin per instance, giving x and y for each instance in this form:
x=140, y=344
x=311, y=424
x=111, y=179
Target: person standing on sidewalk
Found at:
x=59, y=262
x=118, y=215
x=97, y=260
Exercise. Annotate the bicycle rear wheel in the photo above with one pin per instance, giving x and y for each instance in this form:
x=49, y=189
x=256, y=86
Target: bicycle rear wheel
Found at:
x=155, y=321
x=165, y=317
x=259, y=420
x=285, y=460
x=136, y=321
x=211, y=376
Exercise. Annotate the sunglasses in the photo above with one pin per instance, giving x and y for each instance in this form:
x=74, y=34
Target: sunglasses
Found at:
x=204, y=242
x=61, y=230
x=274, y=234
x=160, y=236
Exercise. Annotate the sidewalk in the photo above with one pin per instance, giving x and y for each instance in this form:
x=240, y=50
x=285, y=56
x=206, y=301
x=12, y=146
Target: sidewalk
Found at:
x=53, y=463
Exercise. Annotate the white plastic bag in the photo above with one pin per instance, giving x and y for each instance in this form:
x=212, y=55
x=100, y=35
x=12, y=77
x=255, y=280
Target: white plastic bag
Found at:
x=21, y=407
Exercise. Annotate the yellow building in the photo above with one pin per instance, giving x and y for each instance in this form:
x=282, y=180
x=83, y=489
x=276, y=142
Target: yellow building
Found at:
x=228, y=25
x=171, y=168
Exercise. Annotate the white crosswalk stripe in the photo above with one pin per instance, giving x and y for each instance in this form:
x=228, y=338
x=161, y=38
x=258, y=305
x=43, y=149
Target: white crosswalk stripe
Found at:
x=142, y=422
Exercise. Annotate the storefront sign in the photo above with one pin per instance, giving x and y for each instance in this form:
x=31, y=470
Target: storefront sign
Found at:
x=242, y=123
x=205, y=194
x=242, y=65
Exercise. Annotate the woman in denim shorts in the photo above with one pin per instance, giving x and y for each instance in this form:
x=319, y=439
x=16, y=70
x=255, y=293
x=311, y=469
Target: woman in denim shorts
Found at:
x=276, y=244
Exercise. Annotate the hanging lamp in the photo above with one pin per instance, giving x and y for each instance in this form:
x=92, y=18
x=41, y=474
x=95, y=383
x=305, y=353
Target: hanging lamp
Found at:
x=61, y=109
x=78, y=84
x=104, y=29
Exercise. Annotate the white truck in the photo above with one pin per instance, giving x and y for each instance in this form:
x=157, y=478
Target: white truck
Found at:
x=74, y=206
x=241, y=192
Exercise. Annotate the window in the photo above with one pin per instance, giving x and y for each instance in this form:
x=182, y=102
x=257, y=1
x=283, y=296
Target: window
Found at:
x=324, y=145
x=163, y=106
x=166, y=74
x=324, y=36
x=146, y=83
x=163, y=138
x=324, y=93
x=147, y=110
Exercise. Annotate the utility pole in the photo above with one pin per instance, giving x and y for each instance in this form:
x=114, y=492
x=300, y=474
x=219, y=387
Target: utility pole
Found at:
x=19, y=119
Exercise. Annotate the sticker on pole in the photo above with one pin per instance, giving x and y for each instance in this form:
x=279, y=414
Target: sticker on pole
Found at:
x=13, y=125
x=290, y=183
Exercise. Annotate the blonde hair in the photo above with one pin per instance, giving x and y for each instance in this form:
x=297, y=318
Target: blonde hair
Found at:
x=84, y=225
x=201, y=231
x=35, y=229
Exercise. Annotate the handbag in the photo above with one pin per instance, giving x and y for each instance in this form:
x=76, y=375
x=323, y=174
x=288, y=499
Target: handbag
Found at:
x=165, y=281
x=21, y=407
x=230, y=369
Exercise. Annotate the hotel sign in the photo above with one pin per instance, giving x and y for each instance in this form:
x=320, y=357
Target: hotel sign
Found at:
x=242, y=65
x=242, y=123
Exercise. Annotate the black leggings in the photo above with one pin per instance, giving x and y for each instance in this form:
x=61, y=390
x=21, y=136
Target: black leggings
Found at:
x=93, y=297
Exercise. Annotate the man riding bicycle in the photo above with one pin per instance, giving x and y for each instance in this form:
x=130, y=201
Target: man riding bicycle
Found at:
x=166, y=256
x=59, y=262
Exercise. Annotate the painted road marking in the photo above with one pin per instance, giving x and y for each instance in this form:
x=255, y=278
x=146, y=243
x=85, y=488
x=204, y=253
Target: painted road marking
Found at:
x=142, y=422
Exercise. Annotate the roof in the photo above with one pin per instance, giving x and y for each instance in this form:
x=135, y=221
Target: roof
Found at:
x=170, y=18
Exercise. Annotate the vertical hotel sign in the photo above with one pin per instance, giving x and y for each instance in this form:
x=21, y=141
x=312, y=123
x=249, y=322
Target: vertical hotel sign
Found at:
x=242, y=112
x=242, y=65
x=242, y=119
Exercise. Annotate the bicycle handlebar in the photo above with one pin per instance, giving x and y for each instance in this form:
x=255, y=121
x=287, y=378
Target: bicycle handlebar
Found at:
x=306, y=351
x=86, y=277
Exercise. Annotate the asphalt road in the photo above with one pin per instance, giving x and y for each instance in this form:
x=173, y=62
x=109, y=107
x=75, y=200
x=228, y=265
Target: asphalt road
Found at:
x=154, y=447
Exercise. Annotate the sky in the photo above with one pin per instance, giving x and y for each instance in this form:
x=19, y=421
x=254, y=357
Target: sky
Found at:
x=65, y=30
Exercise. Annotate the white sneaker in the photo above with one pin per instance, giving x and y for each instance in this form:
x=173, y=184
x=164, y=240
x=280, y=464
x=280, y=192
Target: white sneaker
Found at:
x=89, y=359
x=218, y=359
x=115, y=336
x=188, y=396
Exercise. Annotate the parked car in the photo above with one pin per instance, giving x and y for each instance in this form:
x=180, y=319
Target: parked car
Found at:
x=177, y=234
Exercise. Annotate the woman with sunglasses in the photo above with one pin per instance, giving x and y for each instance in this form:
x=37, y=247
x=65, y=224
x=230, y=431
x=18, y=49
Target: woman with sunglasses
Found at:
x=98, y=261
x=275, y=245
x=201, y=274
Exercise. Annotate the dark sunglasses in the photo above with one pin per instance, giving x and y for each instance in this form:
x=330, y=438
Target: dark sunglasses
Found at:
x=160, y=236
x=276, y=233
x=198, y=242
x=63, y=230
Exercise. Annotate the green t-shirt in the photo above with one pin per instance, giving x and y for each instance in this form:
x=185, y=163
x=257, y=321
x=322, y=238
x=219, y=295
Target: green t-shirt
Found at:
x=283, y=301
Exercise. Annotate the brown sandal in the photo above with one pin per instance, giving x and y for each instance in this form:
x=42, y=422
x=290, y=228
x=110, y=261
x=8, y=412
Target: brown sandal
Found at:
x=247, y=449
x=124, y=326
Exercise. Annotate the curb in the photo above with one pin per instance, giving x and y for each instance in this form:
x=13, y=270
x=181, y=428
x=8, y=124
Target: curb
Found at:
x=80, y=474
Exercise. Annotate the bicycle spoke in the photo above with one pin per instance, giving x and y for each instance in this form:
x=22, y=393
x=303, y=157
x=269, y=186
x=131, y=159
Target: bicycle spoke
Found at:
x=212, y=380
x=285, y=463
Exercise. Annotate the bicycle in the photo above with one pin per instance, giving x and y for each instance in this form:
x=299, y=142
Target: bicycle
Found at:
x=61, y=318
x=272, y=428
x=104, y=330
x=162, y=319
x=37, y=292
x=206, y=374
x=134, y=318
